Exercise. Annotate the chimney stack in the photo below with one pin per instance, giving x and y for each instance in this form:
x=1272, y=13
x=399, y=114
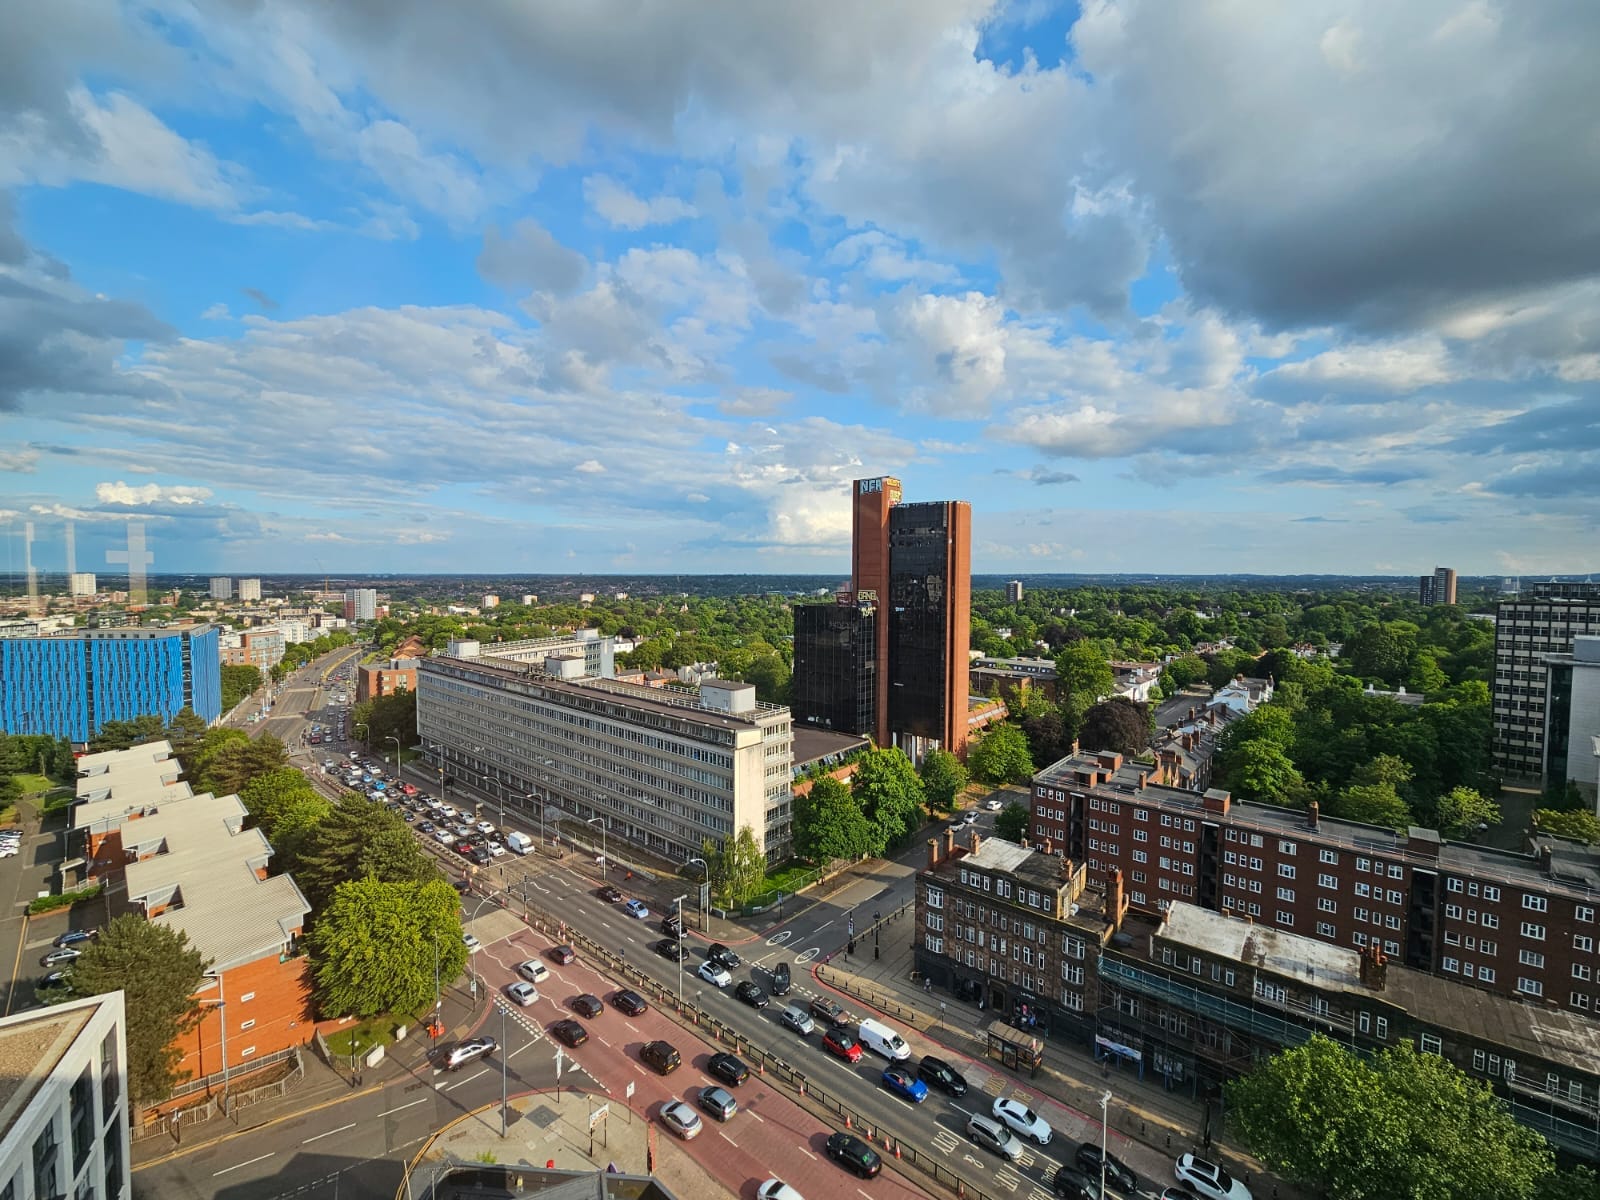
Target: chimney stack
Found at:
x=977, y=841
x=1314, y=815
x=1024, y=841
x=933, y=852
x=1217, y=800
x=949, y=842
x=1049, y=846
x=1114, y=902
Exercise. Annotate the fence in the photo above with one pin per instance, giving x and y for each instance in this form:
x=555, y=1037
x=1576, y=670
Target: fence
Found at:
x=172, y=1124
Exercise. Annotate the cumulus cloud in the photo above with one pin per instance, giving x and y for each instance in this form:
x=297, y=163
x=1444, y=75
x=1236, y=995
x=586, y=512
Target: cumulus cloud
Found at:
x=528, y=256
x=149, y=494
x=621, y=208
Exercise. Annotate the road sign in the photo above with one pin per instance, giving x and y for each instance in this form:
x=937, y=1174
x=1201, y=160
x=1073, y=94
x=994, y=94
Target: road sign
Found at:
x=598, y=1115
x=628, y=1094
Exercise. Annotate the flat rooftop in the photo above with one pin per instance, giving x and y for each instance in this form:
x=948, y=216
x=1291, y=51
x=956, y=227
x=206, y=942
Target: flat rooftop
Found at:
x=31, y=1045
x=812, y=744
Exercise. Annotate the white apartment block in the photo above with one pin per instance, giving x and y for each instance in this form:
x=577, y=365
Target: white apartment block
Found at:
x=64, y=1101
x=665, y=769
x=221, y=587
x=249, y=589
x=361, y=604
x=81, y=583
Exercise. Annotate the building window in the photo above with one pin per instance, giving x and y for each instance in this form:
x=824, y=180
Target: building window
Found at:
x=1491, y=921
x=935, y=897
x=246, y=996
x=1286, y=894
x=1531, y=987
x=1486, y=974
x=1532, y=931
x=1583, y=913
x=1450, y=964
x=1364, y=1022
x=1491, y=894
x=1383, y=1029
x=1325, y=929
x=1286, y=870
x=1431, y=1044
x=1582, y=941
x=1582, y=971
x=1331, y=857
x=1286, y=919
x=1452, y=885
x=1328, y=881
x=1535, y=903
x=1326, y=905
x=1271, y=992
x=1580, y=1000
x=935, y=944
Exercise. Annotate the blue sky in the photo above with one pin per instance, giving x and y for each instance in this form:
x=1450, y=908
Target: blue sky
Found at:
x=626, y=285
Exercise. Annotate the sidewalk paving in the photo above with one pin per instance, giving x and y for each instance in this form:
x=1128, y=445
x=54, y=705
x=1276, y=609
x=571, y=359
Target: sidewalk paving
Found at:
x=1165, y=1121
x=548, y=1127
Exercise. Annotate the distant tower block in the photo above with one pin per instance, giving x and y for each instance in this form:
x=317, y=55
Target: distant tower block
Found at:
x=28, y=567
x=138, y=560
x=72, y=548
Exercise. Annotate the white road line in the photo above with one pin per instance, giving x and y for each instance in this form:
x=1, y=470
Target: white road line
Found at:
x=862, y=1194
x=807, y=1153
x=602, y=1041
x=411, y=1104
x=631, y=1026
x=246, y=1163
x=329, y=1133
x=820, y=928
x=728, y=1139
x=755, y=1115
x=963, y=1111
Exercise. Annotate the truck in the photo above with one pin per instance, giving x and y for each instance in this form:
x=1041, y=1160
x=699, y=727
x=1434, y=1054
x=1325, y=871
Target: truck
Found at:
x=519, y=843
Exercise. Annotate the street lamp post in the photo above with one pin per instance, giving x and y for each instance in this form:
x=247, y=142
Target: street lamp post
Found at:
x=505, y=1053
x=396, y=741
x=705, y=917
x=1105, y=1101
x=366, y=741
x=539, y=803
x=222, y=1026
x=605, y=863
x=679, y=956
x=500, y=792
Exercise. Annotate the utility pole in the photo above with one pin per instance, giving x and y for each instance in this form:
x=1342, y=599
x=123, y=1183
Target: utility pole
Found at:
x=1105, y=1101
x=679, y=956
x=505, y=1053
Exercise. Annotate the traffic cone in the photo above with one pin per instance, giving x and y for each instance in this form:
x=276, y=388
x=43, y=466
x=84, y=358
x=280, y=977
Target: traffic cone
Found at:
x=847, y=1124
x=897, y=1149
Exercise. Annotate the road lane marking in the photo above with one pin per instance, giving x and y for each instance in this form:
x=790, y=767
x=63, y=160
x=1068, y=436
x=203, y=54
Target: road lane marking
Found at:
x=411, y=1104
x=246, y=1163
x=728, y=1139
x=330, y=1133
x=602, y=1041
x=820, y=928
x=807, y=1153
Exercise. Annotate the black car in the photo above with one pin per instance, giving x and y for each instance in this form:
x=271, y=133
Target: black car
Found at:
x=751, y=994
x=1075, y=1185
x=610, y=895
x=1118, y=1175
x=569, y=1032
x=671, y=950
x=728, y=1068
x=854, y=1155
x=480, y=856
x=935, y=1072
x=588, y=1005
x=722, y=956
x=671, y=925
x=630, y=1003
x=780, y=979
x=663, y=1056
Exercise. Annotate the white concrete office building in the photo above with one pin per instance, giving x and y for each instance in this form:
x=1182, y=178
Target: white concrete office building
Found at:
x=666, y=769
x=64, y=1100
x=249, y=589
x=599, y=653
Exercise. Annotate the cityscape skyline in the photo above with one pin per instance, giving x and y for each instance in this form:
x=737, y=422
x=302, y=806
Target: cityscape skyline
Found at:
x=297, y=295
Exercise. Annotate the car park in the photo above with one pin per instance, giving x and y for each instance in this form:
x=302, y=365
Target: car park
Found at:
x=751, y=994
x=569, y=1033
x=854, y=1155
x=562, y=954
x=522, y=993
x=1208, y=1180
x=629, y=1003
x=494, y=849
x=637, y=910
x=74, y=937
x=1117, y=1173
x=480, y=856
x=663, y=1056
x=681, y=1119
x=426, y=827
x=935, y=1072
x=588, y=1005
x=840, y=1044
x=905, y=1085
x=485, y=827
x=468, y=1051
x=718, y=1102
x=714, y=974
x=1022, y=1119
x=728, y=1068
x=797, y=1019
x=994, y=1136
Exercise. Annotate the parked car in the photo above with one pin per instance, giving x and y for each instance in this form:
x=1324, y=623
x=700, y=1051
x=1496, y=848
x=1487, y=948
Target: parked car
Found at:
x=905, y=1085
x=1118, y=1174
x=751, y=994
x=610, y=895
x=569, y=1032
x=563, y=954
x=468, y=1051
x=522, y=992
x=728, y=1068
x=935, y=1072
x=74, y=937
x=714, y=974
x=63, y=954
x=588, y=1005
x=992, y=805
x=681, y=1119
x=484, y=827
x=1022, y=1119
x=841, y=1044
x=637, y=910
x=718, y=1102
x=663, y=1056
x=533, y=971
x=854, y=1155
x=473, y=944
x=1208, y=1180
x=630, y=1003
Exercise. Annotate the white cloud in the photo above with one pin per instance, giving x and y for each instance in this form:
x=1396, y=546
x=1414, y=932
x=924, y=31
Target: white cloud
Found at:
x=590, y=466
x=149, y=493
x=624, y=210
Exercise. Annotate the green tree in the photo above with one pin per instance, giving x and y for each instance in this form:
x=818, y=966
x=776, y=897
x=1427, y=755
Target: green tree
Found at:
x=1011, y=822
x=1372, y=803
x=1001, y=755
x=1407, y=1126
x=1378, y=651
x=386, y=717
x=373, y=949
x=224, y=761
x=1575, y=1183
x=124, y=735
x=186, y=729
x=829, y=824
x=1116, y=724
x=359, y=840
x=886, y=786
x=943, y=779
x=1579, y=824
x=1261, y=771
x=1186, y=671
x=1083, y=673
x=158, y=973
x=238, y=682
x=1461, y=810
x=1049, y=739
x=271, y=791
x=738, y=868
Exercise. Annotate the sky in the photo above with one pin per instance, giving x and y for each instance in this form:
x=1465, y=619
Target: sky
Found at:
x=635, y=285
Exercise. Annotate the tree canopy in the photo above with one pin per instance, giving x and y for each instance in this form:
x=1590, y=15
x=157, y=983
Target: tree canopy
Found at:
x=1001, y=755
x=1580, y=824
x=224, y=761
x=737, y=869
x=359, y=840
x=1405, y=1126
x=373, y=948
x=890, y=794
x=943, y=779
x=1011, y=822
x=829, y=823
x=158, y=973
x=1116, y=724
x=386, y=717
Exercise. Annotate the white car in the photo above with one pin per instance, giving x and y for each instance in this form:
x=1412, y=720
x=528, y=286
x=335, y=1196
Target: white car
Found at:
x=533, y=970
x=523, y=993
x=1208, y=1180
x=444, y=837
x=1022, y=1119
x=991, y=805
x=473, y=944
x=713, y=974
x=485, y=826
x=495, y=849
x=777, y=1189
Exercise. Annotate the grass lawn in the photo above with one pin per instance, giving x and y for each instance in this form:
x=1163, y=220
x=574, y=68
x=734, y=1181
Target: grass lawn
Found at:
x=370, y=1032
x=32, y=785
x=788, y=879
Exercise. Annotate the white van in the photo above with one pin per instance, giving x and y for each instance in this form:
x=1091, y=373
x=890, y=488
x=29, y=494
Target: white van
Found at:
x=880, y=1039
x=520, y=843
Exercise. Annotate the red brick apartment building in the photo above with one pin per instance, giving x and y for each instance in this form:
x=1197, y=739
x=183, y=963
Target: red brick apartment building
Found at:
x=1518, y=924
x=385, y=679
x=189, y=863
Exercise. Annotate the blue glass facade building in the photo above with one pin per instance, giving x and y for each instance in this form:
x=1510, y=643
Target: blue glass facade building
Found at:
x=70, y=686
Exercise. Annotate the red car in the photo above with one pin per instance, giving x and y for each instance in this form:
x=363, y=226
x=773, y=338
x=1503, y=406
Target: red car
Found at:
x=838, y=1042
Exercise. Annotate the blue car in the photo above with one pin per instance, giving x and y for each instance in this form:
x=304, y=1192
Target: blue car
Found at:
x=637, y=909
x=905, y=1085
